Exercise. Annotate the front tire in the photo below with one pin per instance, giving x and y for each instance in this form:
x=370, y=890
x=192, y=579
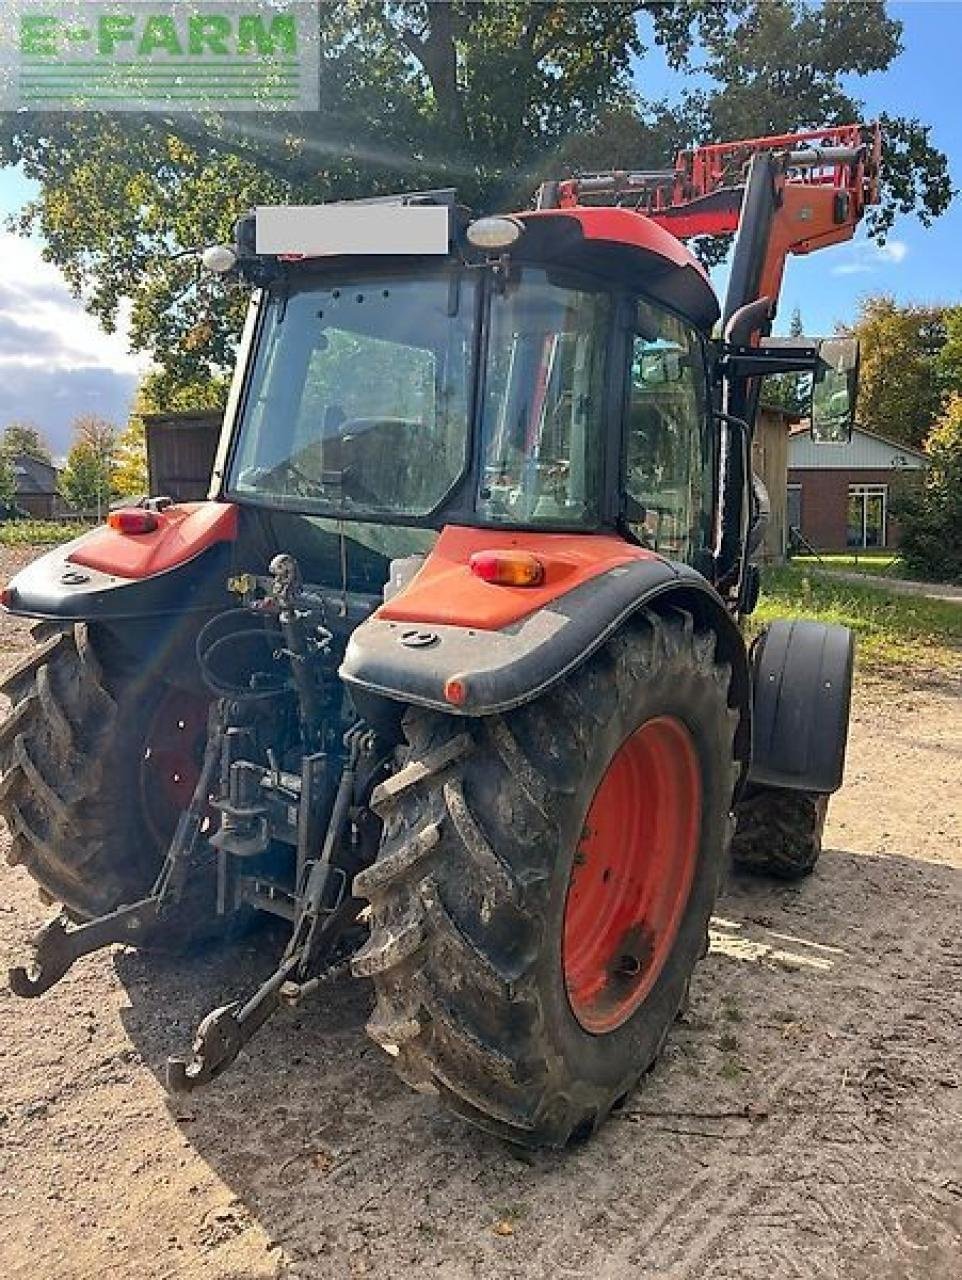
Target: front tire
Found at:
x=495, y=989
x=779, y=833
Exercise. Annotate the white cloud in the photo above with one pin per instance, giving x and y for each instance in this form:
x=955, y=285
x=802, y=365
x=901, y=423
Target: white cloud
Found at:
x=864, y=257
x=55, y=360
x=43, y=326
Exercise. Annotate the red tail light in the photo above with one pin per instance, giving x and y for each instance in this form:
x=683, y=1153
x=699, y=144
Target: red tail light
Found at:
x=456, y=691
x=508, y=568
x=132, y=520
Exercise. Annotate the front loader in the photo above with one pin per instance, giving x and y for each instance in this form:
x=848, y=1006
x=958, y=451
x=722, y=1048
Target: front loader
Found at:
x=448, y=673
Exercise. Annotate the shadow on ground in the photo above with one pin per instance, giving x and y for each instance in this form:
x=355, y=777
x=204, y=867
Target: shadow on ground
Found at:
x=805, y=1115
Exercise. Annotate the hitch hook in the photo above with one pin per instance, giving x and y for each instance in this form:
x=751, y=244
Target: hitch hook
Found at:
x=57, y=945
x=225, y=1031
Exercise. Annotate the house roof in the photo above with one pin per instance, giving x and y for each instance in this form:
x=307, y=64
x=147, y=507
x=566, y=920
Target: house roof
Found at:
x=32, y=475
x=804, y=428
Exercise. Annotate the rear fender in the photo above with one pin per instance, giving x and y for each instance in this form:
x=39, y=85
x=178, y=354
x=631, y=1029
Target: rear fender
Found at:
x=106, y=575
x=802, y=690
x=468, y=670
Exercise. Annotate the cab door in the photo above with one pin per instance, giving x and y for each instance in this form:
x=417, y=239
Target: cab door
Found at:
x=668, y=475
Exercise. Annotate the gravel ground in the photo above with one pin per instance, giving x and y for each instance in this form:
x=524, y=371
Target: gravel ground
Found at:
x=805, y=1120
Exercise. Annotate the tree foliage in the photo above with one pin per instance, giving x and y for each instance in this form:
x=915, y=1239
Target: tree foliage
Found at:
x=8, y=481
x=26, y=439
x=931, y=516
x=129, y=476
x=86, y=480
x=486, y=97
x=905, y=373
x=949, y=360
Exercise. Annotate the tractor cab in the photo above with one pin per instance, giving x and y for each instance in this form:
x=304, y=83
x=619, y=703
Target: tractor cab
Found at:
x=538, y=372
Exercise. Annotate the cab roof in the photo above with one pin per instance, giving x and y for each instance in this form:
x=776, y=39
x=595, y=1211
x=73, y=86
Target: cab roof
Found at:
x=629, y=247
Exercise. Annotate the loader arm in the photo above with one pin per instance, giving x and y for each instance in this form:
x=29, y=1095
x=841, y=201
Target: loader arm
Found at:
x=780, y=195
x=819, y=184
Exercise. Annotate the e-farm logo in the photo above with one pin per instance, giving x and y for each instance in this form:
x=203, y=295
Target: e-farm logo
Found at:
x=222, y=55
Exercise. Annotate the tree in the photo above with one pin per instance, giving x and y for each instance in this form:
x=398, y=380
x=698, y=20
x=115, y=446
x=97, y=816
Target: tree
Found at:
x=900, y=388
x=487, y=97
x=24, y=438
x=8, y=481
x=931, y=516
x=86, y=479
x=949, y=360
x=129, y=477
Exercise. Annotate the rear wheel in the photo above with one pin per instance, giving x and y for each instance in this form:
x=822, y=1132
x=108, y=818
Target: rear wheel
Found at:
x=779, y=833
x=94, y=772
x=545, y=881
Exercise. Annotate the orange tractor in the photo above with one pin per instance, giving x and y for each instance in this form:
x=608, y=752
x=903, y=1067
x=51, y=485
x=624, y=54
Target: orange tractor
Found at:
x=448, y=672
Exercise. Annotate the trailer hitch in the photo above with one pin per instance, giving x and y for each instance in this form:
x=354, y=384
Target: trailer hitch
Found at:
x=320, y=921
x=226, y=1030
x=58, y=944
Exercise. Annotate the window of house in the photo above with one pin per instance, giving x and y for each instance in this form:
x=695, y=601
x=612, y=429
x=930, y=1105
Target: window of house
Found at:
x=867, y=512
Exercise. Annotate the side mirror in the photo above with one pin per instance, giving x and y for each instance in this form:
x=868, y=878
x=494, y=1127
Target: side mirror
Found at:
x=834, y=390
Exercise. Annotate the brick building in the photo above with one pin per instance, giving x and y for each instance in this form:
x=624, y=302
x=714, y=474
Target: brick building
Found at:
x=839, y=495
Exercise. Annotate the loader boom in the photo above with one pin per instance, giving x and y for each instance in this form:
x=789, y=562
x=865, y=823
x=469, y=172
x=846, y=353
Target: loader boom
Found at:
x=820, y=183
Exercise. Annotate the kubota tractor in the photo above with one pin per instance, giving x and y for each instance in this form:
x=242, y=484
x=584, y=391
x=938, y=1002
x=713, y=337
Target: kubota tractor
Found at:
x=448, y=671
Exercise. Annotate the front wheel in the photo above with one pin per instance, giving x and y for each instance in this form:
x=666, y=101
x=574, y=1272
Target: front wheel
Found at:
x=545, y=881
x=779, y=833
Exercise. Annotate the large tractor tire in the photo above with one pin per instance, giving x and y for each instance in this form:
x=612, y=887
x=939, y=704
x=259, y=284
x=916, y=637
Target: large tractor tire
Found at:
x=94, y=770
x=779, y=833
x=545, y=881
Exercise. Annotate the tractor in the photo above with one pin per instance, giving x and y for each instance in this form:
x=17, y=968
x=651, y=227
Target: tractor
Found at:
x=449, y=672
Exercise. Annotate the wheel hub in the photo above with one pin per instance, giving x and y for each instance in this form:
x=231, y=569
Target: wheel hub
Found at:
x=173, y=751
x=632, y=874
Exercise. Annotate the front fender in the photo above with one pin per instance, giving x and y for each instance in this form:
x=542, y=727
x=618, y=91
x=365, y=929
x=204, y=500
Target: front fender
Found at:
x=802, y=678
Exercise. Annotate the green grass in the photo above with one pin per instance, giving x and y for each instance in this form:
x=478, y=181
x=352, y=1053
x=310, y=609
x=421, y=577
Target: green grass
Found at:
x=872, y=562
x=892, y=632
x=39, y=533
x=879, y=564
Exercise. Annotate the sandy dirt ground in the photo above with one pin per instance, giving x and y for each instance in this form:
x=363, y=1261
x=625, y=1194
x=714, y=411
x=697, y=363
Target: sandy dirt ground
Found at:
x=805, y=1120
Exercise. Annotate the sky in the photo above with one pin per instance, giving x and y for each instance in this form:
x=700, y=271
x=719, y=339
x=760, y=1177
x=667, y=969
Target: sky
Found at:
x=56, y=363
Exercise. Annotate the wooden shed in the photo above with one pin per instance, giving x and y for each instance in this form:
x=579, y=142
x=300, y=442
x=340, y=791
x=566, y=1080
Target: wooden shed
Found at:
x=180, y=453
x=770, y=461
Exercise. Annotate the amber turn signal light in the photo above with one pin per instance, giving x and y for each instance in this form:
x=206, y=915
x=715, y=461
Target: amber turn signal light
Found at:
x=132, y=520
x=508, y=568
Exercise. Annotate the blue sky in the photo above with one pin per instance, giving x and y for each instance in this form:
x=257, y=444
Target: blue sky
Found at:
x=55, y=362
x=918, y=264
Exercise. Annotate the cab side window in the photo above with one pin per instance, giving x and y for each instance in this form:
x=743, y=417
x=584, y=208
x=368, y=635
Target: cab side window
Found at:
x=668, y=479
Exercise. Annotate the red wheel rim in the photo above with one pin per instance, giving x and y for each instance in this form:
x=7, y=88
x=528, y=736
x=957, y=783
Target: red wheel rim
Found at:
x=173, y=754
x=632, y=874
